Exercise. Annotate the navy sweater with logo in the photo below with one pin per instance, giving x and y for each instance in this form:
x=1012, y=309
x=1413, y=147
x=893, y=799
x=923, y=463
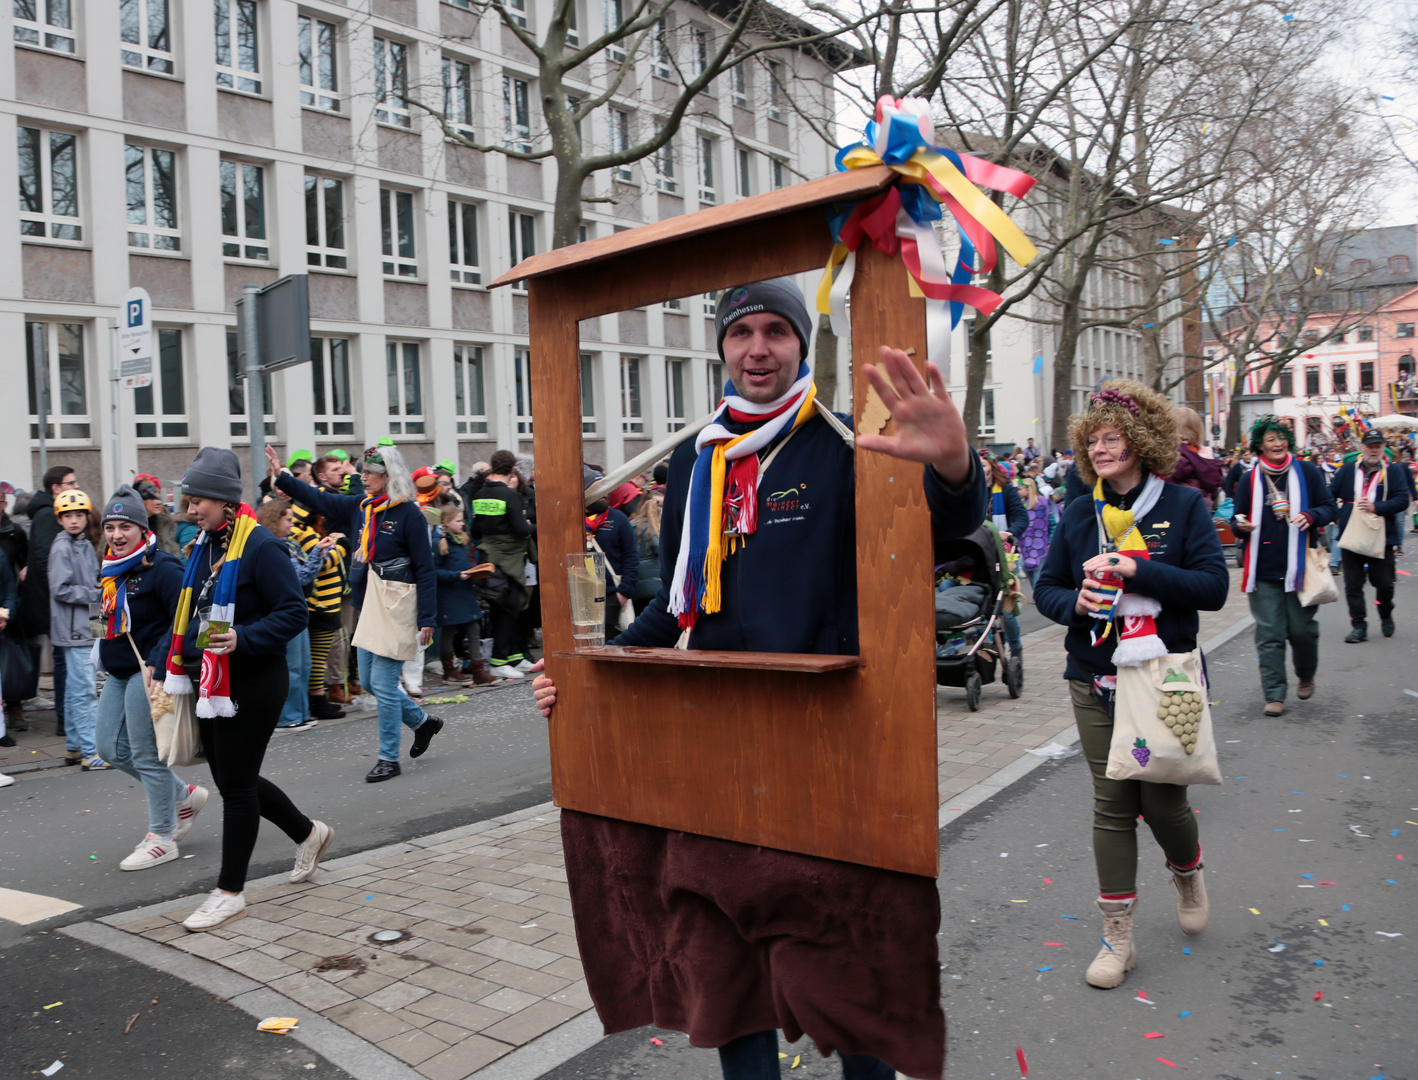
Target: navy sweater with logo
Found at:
x=1186, y=573
x=793, y=586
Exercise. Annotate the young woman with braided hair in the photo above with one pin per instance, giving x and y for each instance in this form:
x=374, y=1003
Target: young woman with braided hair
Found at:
x=1152, y=545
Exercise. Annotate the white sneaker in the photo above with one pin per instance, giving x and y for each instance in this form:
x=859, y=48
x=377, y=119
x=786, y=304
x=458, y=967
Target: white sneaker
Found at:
x=310, y=851
x=504, y=671
x=217, y=910
x=523, y=666
x=6, y=781
x=151, y=852
x=188, y=809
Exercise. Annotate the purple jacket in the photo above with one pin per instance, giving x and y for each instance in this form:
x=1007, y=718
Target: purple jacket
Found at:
x=1193, y=470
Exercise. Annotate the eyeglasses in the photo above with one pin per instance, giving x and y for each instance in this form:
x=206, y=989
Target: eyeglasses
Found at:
x=68, y=483
x=1109, y=442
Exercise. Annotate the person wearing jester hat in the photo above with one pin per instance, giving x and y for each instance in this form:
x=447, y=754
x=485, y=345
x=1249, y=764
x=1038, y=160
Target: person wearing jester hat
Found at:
x=725, y=941
x=239, y=606
x=1126, y=573
x=1282, y=507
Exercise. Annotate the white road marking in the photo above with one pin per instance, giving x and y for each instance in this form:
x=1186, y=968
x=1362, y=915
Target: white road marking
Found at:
x=25, y=907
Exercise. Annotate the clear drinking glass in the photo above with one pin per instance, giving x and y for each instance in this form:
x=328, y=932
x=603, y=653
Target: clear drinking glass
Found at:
x=586, y=579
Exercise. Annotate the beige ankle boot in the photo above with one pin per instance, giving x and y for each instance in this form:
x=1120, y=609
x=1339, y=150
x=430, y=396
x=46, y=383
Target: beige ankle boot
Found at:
x=1118, y=955
x=1193, y=908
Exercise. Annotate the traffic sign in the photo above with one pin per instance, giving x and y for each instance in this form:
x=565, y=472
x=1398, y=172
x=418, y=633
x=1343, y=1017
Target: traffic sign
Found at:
x=135, y=339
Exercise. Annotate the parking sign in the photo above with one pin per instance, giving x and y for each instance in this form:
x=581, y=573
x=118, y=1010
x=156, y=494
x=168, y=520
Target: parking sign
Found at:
x=135, y=339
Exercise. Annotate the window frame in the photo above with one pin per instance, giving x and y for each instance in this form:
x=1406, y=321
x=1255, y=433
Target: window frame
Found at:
x=44, y=28
x=522, y=389
x=461, y=271
x=58, y=421
x=157, y=394
x=1403, y=330
x=743, y=171
x=715, y=379
x=394, y=236
x=708, y=190
x=612, y=16
x=698, y=50
x=1364, y=333
x=665, y=179
x=242, y=174
x=589, y=422
x=237, y=409
x=469, y=364
x=1312, y=380
x=311, y=40
x=149, y=154
x=239, y=16
x=661, y=59
x=322, y=254
x=777, y=170
x=325, y=390
x=1367, y=378
x=391, y=83
x=1287, y=382
x=632, y=395
x=676, y=376
x=1339, y=378
x=397, y=385
x=140, y=53
x=1360, y=267
x=517, y=11
x=619, y=123
x=459, y=100
x=50, y=220
x=1399, y=264
x=738, y=84
x=775, y=90
x=516, y=104
x=520, y=226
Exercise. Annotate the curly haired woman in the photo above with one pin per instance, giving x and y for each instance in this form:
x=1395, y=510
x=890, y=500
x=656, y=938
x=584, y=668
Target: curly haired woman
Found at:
x=1153, y=546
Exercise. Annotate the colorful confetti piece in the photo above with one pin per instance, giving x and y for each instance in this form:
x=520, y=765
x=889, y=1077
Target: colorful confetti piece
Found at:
x=1184, y=1013
x=1044, y=969
x=55, y=1005
x=1255, y=911
x=1324, y=922
x=1164, y=1061
x=1153, y=1035
x=1048, y=882
x=1319, y=994
x=1023, y=1065
x=1186, y=952
x=656, y=1042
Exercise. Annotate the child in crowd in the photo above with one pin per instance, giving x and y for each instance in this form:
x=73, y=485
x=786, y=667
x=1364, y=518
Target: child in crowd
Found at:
x=459, y=613
x=73, y=589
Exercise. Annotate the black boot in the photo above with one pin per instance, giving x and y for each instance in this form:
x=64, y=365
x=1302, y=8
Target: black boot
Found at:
x=1386, y=624
x=383, y=770
x=322, y=708
x=1359, y=633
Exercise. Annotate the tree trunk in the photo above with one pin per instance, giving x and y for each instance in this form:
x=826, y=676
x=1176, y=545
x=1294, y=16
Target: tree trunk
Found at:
x=1065, y=353
x=1234, y=436
x=975, y=362
x=824, y=362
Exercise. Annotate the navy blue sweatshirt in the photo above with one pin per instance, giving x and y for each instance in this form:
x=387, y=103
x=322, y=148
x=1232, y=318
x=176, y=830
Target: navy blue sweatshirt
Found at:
x=1185, y=573
x=793, y=586
x=1274, y=533
x=617, y=539
x=402, y=533
x=1016, y=517
x=152, y=602
x=1389, y=504
x=457, y=601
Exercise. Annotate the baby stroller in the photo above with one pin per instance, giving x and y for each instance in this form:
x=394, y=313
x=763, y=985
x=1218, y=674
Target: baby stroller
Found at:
x=972, y=581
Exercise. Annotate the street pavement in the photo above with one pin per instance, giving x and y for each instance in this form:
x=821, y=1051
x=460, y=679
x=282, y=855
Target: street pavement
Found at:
x=992, y=945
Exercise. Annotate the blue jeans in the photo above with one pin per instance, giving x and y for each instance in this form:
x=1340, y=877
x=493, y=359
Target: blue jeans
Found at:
x=80, y=698
x=297, y=707
x=380, y=676
x=755, y=1057
x=126, y=741
x=1011, y=631
x=1331, y=532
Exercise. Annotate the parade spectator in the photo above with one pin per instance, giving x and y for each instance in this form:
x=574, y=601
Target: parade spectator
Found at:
x=1011, y=519
x=330, y=474
x=1030, y=451
x=1034, y=541
x=504, y=536
x=529, y=619
x=34, y=592
x=446, y=490
x=608, y=531
x=159, y=520
x=1126, y=444
x=73, y=587
x=239, y=606
x=392, y=542
x=473, y=484
x=1376, y=487
x=14, y=546
x=141, y=585
x=184, y=529
x=646, y=523
x=459, y=614
x=1282, y=505
x=324, y=599
x=9, y=601
x=1196, y=466
x=790, y=588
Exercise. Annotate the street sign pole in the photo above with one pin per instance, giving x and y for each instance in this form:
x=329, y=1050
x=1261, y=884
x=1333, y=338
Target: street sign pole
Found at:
x=255, y=399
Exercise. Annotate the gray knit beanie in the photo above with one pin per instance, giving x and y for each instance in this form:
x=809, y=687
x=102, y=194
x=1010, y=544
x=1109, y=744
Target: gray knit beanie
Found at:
x=126, y=504
x=215, y=473
x=781, y=296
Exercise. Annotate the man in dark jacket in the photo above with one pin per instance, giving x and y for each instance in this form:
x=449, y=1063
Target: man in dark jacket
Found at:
x=611, y=533
x=1382, y=489
x=34, y=588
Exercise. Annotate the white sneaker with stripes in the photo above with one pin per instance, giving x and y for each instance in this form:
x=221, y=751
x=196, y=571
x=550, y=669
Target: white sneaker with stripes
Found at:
x=188, y=809
x=151, y=852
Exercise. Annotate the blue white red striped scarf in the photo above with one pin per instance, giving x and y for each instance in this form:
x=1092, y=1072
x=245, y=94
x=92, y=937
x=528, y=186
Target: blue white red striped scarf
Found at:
x=1297, y=496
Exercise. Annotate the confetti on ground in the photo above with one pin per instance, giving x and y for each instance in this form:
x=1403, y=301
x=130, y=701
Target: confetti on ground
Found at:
x=1019, y=901
x=1385, y=933
x=1164, y=1061
x=52, y=1069
x=1041, y=845
x=1044, y=969
x=1255, y=911
x=1053, y=943
x=796, y=1062
x=1279, y=946
x=451, y=699
x=1307, y=841
x=1319, y=994
x=277, y=1025
x=1068, y=916
x=1280, y=830
x=1142, y=997
x=656, y=1042
x=55, y=1005
x=1343, y=907
x=1329, y=883
x=1154, y=1035
x=1184, y=1013
x=1105, y=943
x=1390, y=881
x=1324, y=922
x=1319, y=963
x=1394, y=833
x=1048, y=882
x=1307, y=875
x=1023, y=1065
x=1186, y=952
x=527, y=926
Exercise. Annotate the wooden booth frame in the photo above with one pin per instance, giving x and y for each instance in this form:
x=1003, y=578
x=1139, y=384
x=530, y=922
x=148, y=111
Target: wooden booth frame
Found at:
x=833, y=756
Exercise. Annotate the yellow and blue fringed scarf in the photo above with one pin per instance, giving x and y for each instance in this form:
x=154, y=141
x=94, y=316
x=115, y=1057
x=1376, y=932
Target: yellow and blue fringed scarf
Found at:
x=215, y=678
x=114, y=579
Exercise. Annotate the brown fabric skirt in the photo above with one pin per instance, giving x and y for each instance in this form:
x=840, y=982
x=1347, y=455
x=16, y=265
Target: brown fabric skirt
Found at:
x=720, y=940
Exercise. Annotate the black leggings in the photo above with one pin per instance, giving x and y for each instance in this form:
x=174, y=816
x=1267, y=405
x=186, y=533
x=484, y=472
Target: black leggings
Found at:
x=235, y=747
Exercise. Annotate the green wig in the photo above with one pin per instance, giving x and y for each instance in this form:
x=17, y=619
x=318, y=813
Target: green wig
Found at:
x=1264, y=425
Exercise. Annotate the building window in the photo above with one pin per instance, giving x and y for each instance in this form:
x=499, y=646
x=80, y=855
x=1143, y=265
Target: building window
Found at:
x=738, y=82
x=57, y=350
x=588, y=394
x=1404, y=329
x=1339, y=378
x=779, y=173
x=49, y=187
x=1312, y=381
x=469, y=398
x=707, y=192
x=1366, y=376
x=573, y=28
x=632, y=417
x=1311, y=337
x=612, y=16
x=675, y=373
x=987, y=414
x=711, y=303
x=1365, y=333
x=325, y=222
x=46, y=23
x=319, y=76
x=1405, y=364
x=714, y=384
x=458, y=95
x=1398, y=264
x=162, y=407
x=699, y=50
x=660, y=59
x=146, y=32
x=1287, y=383
x=517, y=12
x=522, y=389
x=391, y=83
x=243, y=211
x=672, y=305
x=516, y=114
x=522, y=240
x=396, y=221
x=236, y=392
x=463, y=242
x=665, y=169
x=620, y=142
x=330, y=385
x=745, y=172
x=150, y=180
x=238, y=54
x=405, y=385
x=1359, y=267
x=775, y=90
x=1363, y=298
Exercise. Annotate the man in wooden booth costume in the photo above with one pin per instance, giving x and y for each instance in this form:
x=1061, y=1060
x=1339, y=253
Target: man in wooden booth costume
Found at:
x=729, y=942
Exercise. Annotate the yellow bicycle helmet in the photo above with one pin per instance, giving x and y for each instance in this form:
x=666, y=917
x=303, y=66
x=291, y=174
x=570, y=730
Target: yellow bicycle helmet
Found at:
x=71, y=500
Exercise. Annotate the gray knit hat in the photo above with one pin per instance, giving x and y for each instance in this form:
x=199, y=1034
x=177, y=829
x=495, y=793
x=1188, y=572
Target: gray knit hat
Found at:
x=781, y=296
x=126, y=505
x=215, y=473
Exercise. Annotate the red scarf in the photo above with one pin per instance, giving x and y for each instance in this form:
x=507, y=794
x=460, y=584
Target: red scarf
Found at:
x=595, y=521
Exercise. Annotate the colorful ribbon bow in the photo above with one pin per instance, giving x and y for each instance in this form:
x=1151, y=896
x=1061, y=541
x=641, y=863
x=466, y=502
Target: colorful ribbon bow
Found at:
x=899, y=219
